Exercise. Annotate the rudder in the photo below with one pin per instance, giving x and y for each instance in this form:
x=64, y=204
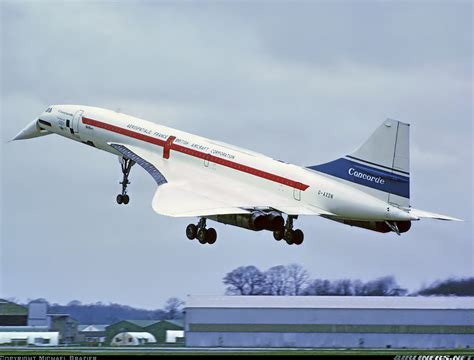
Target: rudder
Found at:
x=380, y=166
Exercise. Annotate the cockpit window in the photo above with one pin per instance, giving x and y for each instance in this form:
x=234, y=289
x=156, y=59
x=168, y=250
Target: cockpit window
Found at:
x=48, y=110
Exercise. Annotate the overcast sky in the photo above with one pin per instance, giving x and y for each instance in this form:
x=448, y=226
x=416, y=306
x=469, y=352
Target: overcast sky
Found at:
x=305, y=82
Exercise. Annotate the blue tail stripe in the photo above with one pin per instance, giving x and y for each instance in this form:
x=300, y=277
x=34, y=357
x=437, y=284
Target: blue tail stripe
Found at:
x=367, y=176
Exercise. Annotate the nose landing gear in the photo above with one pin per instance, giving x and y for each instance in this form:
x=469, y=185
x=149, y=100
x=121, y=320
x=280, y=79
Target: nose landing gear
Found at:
x=199, y=231
x=126, y=165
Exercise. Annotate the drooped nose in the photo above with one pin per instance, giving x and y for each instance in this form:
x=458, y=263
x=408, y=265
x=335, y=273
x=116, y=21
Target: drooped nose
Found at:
x=32, y=130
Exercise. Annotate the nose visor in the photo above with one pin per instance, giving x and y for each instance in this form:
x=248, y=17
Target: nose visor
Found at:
x=33, y=129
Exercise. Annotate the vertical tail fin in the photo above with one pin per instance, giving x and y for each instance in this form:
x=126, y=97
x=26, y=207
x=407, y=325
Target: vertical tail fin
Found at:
x=380, y=166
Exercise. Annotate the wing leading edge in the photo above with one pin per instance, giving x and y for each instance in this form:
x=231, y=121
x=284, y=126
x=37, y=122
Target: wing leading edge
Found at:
x=138, y=156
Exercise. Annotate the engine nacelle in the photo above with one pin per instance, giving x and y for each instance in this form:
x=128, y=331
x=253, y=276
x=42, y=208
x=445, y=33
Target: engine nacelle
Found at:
x=256, y=221
x=274, y=221
x=379, y=226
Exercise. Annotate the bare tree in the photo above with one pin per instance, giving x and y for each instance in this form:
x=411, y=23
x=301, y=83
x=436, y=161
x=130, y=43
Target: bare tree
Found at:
x=342, y=287
x=298, y=278
x=245, y=280
x=277, y=281
x=174, y=308
x=383, y=286
x=318, y=287
x=449, y=287
x=74, y=303
x=293, y=279
x=358, y=287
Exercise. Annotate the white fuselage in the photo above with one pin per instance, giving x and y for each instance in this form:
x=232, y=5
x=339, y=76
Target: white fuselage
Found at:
x=184, y=154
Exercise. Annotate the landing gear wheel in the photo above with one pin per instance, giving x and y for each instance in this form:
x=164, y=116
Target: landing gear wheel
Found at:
x=202, y=236
x=199, y=231
x=289, y=237
x=191, y=231
x=278, y=234
x=298, y=237
x=211, y=236
x=126, y=165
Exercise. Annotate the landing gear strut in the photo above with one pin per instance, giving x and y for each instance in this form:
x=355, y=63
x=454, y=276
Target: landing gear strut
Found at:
x=291, y=236
x=126, y=165
x=199, y=231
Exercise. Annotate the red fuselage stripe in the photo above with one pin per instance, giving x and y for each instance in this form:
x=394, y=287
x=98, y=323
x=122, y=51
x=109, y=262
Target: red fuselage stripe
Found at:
x=197, y=154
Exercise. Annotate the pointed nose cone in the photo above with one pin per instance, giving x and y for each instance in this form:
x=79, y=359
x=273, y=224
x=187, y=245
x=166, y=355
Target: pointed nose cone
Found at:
x=32, y=130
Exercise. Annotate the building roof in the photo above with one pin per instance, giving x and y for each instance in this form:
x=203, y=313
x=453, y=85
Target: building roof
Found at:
x=330, y=302
x=8, y=336
x=91, y=328
x=10, y=308
x=24, y=329
x=147, y=323
x=143, y=323
x=59, y=316
x=177, y=322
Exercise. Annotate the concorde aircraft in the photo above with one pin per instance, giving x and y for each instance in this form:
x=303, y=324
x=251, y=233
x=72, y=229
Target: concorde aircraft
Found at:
x=212, y=180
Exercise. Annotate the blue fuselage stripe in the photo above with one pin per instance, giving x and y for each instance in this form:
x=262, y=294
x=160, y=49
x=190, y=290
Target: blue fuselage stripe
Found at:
x=367, y=176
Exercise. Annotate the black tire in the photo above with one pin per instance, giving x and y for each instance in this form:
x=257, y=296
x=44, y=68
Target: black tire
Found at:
x=278, y=234
x=202, y=236
x=119, y=199
x=125, y=199
x=211, y=236
x=191, y=231
x=288, y=237
x=298, y=237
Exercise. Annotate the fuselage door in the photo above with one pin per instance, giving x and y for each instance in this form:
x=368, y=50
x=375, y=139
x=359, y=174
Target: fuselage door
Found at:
x=75, y=121
x=297, y=194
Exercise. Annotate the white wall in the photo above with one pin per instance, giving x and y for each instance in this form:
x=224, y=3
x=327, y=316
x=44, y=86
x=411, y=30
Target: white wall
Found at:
x=32, y=338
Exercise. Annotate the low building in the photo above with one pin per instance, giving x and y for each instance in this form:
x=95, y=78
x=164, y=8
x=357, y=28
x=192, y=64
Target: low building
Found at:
x=157, y=328
x=66, y=326
x=63, y=323
x=12, y=314
x=132, y=339
x=329, y=321
x=174, y=336
x=34, y=319
x=28, y=335
x=91, y=334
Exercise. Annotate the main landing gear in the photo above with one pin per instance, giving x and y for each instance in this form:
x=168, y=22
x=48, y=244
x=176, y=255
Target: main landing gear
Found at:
x=199, y=231
x=126, y=165
x=291, y=236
